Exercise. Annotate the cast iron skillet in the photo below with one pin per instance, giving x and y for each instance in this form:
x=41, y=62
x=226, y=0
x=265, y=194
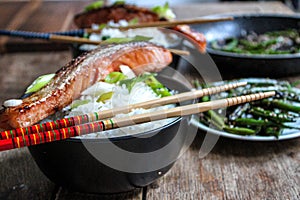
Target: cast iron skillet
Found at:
x=232, y=65
x=68, y=163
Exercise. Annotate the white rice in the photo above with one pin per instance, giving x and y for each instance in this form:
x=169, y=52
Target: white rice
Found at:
x=121, y=97
x=158, y=37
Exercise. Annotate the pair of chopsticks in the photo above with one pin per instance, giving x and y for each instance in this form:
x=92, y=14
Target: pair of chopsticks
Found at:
x=101, y=121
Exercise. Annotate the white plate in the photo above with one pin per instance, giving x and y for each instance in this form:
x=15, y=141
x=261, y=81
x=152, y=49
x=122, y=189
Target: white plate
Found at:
x=285, y=136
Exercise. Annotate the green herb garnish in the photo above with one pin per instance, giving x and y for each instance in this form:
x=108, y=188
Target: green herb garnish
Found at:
x=133, y=21
x=119, y=2
x=129, y=83
x=78, y=103
x=125, y=40
x=164, y=11
x=157, y=87
x=95, y=5
x=101, y=26
x=39, y=83
x=105, y=96
x=114, y=77
x=149, y=80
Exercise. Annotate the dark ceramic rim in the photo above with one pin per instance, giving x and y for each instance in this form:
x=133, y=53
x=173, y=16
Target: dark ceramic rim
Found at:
x=258, y=57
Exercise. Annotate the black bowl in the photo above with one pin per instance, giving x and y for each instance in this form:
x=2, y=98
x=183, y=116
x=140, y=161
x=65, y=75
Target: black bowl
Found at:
x=233, y=65
x=69, y=164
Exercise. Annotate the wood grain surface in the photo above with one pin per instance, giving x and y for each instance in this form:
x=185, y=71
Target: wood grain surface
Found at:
x=232, y=170
x=39, y=16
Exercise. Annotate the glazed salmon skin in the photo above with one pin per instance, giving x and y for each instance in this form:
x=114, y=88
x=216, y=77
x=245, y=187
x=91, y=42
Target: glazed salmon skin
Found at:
x=81, y=73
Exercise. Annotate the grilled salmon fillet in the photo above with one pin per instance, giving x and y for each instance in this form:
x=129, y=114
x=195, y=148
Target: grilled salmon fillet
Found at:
x=128, y=12
x=81, y=73
x=116, y=13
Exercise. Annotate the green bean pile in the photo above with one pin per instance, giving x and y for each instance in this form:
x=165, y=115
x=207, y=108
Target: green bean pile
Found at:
x=268, y=117
x=275, y=42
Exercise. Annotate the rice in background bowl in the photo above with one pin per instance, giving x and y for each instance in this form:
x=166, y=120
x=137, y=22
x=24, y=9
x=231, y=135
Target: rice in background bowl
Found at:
x=160, y=36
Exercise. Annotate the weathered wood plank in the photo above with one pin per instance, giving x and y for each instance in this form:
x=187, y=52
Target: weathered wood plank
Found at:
x=234, y=170
x=67, y=195
x=41, y=17
x=19, y=16
x=8, y=10
x=17, y=71
x=21, y=178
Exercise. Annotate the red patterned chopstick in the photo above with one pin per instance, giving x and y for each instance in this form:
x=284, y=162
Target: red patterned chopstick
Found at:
x=49, y=126
x=55, y=135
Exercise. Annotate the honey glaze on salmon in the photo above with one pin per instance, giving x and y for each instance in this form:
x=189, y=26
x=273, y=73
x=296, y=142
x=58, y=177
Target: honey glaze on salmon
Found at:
x=81, y=73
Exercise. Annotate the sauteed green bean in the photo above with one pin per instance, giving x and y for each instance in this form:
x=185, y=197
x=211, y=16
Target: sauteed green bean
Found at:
x=267, y=117
x=275, y=42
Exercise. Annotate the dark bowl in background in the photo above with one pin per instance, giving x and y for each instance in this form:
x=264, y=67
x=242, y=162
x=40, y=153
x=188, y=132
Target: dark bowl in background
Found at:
x=69, y=164
x=233, y=65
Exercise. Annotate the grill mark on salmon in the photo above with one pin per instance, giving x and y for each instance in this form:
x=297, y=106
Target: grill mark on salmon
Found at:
x=79, y=74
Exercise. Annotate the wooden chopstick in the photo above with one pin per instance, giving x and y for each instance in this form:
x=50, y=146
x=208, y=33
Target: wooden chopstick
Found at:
x=83, y=129
x=68, y=122
x=164, y=23
x=65, y=39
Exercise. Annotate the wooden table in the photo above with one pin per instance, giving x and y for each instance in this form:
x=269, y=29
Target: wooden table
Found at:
x=232, y=170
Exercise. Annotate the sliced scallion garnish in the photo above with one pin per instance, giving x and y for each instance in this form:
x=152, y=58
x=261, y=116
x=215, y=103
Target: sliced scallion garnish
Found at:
x=128, y=39
x=39, y=83
x=114, y=77
x=129, y=83
x=95, y=5
x=78, y=103
x=105, y=96
x=119, y=2
x=164, y=11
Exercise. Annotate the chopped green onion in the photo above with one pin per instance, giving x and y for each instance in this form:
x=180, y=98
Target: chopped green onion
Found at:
x=133, y=21
x=78, y=103
x=95, y=5
x=119, y=2
x=153, y=83
x=157, y=87
x=124, y=40
x=101, y=26
x=129, y=83
x=114, y=77
x=105, y=96
x=162, y=92
x=39, y=83
x=164, y=11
